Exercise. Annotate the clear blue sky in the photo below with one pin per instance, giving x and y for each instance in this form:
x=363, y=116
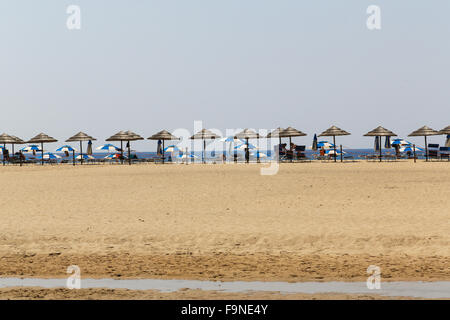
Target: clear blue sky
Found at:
x=147, y=65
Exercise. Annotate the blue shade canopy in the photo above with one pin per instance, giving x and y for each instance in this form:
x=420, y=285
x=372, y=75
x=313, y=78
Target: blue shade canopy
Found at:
x=31, y=148
x=109, y=148
x=66, y=148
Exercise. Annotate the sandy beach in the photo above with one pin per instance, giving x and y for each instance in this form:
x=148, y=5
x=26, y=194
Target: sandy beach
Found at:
x=311, y=221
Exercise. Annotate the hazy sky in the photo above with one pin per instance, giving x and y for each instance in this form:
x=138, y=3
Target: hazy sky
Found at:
x=150, y=65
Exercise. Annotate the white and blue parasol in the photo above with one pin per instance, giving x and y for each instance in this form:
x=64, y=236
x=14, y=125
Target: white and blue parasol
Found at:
x=31, y=148
x=171, y=149
x=331, y=152
x=109, y=148
x=49, y=156
x=325, y=145
x=84, y=157
x=66, y=148
x=410, y=148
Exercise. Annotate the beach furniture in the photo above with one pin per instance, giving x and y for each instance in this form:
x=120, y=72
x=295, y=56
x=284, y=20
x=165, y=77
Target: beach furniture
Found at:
x=247, y=134
x=334, y=131
x=290, y=132
x=433, y=151
x=204, y=135
x=379, y=132
x=127, y=136
x=163, y=135
x=42, y=138
x=4, y=139
x=425, y=132
x=444, y=153
x=276, y=134
x=80, y=136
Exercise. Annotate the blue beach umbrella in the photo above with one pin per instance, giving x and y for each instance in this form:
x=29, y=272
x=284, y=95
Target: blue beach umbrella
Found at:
x=377, y=144
x=400, y=142
x=31, y=148
x=49, y=156
x=109, y=148
x=325, y=145
x=159, y=148
x=244, y=145
x=84, y=157
x=314, y=144
x=331, y=151
x=114, y=156
x=172, y=148
x=66, y=148
x=410, y=148
x=387, y=142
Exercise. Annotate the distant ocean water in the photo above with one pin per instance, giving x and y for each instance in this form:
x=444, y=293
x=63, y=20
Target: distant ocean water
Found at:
x=217, y=155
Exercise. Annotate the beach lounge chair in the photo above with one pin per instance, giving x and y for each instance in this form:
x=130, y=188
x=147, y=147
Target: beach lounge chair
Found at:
x=433, y=151
x=444, y=153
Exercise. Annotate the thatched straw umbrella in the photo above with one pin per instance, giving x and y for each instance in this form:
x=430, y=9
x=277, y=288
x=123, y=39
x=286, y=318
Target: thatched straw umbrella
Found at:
x=446, y=131
x=132, y=137
x=4, y=139
x=204, y=135
x=42, y=138
x=291, y=132
x=380, y=132
x=334, y=131
x=276, y=134
x=80, y=136
x=248, y=134
x=425, y=132
x=163, y=135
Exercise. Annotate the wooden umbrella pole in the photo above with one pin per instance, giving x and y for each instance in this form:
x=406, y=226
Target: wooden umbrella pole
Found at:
x=129, y=153
x=247, y=156
x=279, y=149
x=334, y=145
x=290, y=148
x=426, y=149
x=204, y=151
x=3, y=153
x=81, y=151
x=163, y=152
x=42, y=153
x=379, y=141
x=121, y=151
x=73, y=156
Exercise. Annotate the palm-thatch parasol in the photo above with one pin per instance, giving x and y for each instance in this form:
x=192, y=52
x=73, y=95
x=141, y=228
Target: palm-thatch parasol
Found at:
x=132, y=137
x=42, y=138
x=291, y=132
x=425, y=132
x=163, y=135
x=380, y=132
x=4, y=139
x=119, y=136
x=247, y=134
x=446, y=131
x=276, y=134
x=80, y=136
x=204, y=135
x=334, y=131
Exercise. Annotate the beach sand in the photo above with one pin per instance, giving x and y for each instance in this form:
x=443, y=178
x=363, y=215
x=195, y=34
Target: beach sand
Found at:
x=32, y=293
x=311, y=221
